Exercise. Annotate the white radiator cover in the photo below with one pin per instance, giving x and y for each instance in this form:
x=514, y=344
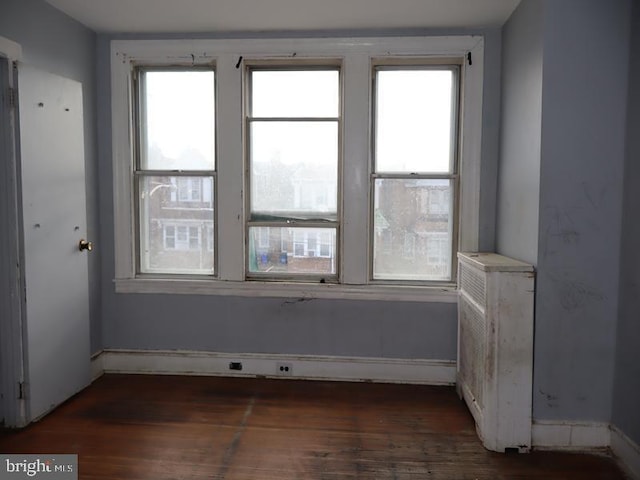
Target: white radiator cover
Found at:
x=495, y=347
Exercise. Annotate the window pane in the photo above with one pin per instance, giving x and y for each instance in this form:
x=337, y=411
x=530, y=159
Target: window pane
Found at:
x=176, y=235
x=178, y=121
x=414, y=120
x=412, y=230
x=295, y=93
x=294, y=251
x=294, y=169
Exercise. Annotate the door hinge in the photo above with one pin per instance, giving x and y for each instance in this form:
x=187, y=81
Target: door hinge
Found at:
x=21, y=391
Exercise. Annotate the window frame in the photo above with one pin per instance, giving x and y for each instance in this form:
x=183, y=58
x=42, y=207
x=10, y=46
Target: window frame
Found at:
x=165, y=236
x=357, y=55
x=138, y=134
x=181, y=245
x=453, y=175
x=189, y=190
x=278, y=64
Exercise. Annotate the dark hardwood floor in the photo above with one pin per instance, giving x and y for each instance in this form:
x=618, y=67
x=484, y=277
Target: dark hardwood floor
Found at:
x=166, y=427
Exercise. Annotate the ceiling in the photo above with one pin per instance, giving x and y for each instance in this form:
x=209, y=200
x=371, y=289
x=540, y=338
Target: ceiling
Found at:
x=171, y=16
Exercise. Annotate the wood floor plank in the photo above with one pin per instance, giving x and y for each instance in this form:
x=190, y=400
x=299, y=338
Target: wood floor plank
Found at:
x=165, y=427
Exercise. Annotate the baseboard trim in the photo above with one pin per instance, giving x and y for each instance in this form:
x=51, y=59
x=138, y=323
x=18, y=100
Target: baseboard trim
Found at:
x=351, y=369
x=563, y=435
x=97, y=365
x=626, y=451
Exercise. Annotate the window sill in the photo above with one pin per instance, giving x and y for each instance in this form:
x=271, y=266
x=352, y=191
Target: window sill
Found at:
x=429, y=294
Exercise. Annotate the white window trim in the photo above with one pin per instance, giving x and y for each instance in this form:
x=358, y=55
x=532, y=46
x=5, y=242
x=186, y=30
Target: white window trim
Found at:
x=189, y=183
x=165, y=236
x=210, y=231
x=181, y=245
x=317, y=236
x=356, y=55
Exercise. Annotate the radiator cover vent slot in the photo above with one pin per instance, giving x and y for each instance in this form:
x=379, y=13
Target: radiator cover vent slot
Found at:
x=472, y=282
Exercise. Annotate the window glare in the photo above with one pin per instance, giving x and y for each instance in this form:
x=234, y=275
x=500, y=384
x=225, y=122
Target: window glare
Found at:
x=413, y=121
x=295, y=93
x=294, y=168
x=179, y=120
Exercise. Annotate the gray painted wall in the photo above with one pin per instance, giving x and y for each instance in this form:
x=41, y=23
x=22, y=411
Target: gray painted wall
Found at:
x=54, y=42
x=626, y=405
x=586, y=51
x=562, y=157
x=519, y=170
x=319, y=327
x=491, y=123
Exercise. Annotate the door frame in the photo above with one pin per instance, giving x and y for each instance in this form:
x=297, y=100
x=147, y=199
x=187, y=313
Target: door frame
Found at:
x=12, y=288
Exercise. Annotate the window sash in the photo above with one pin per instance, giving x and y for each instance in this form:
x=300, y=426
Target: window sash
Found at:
x=295, y=218
x=452, y=175
x=299, y=243
x=452, y=235
x=187, y=190
x=183, y=237
x=454, y=140
x=293, y=65
x=140, y=109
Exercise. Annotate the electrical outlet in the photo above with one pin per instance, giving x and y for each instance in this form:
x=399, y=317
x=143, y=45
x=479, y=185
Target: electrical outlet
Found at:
x=284, y=369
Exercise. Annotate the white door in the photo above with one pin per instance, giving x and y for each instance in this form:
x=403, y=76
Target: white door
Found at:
x=56, y=313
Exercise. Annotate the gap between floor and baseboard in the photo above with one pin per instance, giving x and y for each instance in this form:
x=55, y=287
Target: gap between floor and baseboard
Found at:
x=307, y=367
x=593, y=437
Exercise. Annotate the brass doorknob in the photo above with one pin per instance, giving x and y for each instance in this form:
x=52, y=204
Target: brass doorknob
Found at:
x=84, y=245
